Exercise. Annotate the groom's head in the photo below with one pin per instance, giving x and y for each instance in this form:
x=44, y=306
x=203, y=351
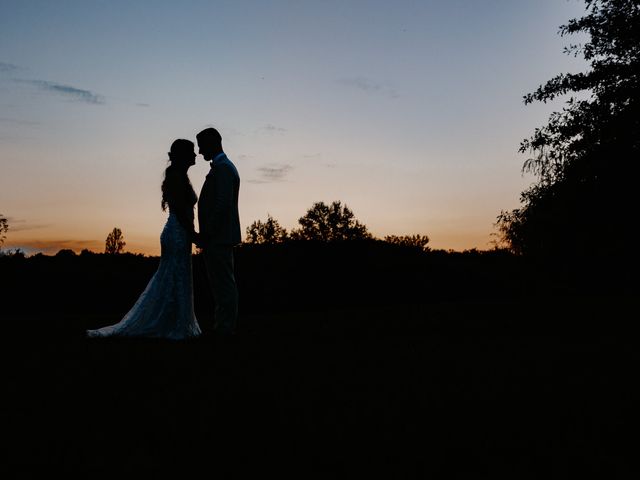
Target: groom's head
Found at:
x=209, y=143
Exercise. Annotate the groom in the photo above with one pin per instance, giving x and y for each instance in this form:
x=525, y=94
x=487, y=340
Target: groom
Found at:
x=219, y=224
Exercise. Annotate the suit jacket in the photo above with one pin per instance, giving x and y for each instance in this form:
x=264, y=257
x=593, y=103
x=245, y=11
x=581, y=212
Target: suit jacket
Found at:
x=218, y=216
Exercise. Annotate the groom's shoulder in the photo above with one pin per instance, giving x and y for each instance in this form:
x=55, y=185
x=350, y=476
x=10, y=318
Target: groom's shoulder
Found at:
x=227, y=165
x=230, y=165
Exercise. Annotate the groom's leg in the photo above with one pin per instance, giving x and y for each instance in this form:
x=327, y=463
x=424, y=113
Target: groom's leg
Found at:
x=220, y=267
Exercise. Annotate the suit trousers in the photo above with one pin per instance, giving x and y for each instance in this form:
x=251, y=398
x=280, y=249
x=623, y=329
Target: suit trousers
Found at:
x=220, y=270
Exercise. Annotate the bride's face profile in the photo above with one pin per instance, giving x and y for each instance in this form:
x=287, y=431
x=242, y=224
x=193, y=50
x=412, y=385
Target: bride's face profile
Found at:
x=184, y=157
x=190, y=158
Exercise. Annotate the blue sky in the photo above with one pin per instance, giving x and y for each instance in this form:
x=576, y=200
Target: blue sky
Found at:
x=410, y=112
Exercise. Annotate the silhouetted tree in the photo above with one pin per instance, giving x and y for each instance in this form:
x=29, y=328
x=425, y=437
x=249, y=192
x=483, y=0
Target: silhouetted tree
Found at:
x=269, y=232
x=4, y=228
x=66, y=253
x=115, y=242
x=329, y=223
x=586, y=157
x=415, y=241
x=16, y=253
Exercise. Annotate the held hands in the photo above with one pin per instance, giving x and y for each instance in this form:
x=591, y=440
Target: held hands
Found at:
x=197, y=239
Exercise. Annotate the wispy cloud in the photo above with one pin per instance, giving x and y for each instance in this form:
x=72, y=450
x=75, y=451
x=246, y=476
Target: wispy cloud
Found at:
x=16, y=73
x=269, y=128
x=78, y=94
x=369, y=86
x=20, y=225
x=8, y=67
x=273, y=173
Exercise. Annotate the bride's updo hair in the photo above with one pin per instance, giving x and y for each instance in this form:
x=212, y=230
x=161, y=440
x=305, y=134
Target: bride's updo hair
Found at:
x=176, y=185
x=180, y=150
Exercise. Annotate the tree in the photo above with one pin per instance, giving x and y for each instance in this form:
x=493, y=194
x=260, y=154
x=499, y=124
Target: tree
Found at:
x=329, y=223
x=4, y=228
x=115, y=242
x=414, y=241
x=585, y=158
x=269, y=232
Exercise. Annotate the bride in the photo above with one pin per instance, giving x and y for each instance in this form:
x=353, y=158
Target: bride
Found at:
x=165, y=308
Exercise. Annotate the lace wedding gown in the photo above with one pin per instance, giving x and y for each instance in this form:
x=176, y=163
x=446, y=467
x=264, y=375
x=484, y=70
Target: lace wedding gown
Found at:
x=165, y=308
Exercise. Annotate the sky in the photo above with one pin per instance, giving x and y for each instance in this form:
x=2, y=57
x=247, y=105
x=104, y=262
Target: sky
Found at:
x=408, y=112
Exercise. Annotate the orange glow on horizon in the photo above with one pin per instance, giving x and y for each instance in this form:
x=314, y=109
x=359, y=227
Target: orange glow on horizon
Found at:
x=151, y=247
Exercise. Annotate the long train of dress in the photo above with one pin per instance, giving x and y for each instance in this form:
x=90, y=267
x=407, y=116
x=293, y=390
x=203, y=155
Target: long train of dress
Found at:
x=165, y=307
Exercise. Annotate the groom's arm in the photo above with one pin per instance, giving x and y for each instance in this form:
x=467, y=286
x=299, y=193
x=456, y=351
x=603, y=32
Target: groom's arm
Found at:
x=223, y=199
x=205, y=210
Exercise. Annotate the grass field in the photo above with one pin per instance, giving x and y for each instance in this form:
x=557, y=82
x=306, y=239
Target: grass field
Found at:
x=526, y=388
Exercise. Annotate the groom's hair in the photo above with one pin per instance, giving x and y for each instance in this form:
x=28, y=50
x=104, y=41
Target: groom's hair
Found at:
x=210, y=136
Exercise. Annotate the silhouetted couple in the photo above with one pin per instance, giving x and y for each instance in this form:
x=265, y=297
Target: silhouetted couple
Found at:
x=165, y=307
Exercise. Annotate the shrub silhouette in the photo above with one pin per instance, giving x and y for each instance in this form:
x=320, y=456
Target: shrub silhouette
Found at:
x=115, y=242
x=415, y=241
x=268, y=232
x=327, y=223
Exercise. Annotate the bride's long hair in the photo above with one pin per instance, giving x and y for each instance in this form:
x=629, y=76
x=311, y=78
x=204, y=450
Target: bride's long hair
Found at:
x=176, y=186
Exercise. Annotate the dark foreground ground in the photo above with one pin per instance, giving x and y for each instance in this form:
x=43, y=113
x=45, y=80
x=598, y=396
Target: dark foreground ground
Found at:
x=462, y=389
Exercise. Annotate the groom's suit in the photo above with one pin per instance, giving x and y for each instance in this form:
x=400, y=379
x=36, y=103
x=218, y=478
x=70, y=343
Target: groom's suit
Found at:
x=219, y=224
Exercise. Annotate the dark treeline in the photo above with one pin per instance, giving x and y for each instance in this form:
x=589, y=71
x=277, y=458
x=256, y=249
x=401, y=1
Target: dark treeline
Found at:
x=297, y=276
x=416, y=360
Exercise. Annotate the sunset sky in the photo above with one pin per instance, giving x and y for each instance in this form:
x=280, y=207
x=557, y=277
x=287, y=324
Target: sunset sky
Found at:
x=410, y=112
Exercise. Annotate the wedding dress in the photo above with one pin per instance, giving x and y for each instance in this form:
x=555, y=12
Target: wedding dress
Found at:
x=165, y=307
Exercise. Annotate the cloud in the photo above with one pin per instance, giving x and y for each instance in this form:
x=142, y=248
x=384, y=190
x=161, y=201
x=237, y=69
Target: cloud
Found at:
x=369, y=86
x=19, y=225
x=8, y=67
x=272, y=173
x=269, y=128
x=69, y=91
x=79, y=94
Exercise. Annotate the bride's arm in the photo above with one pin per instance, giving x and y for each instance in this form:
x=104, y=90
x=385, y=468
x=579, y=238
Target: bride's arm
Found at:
x=180, y=206
x=186, y=220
